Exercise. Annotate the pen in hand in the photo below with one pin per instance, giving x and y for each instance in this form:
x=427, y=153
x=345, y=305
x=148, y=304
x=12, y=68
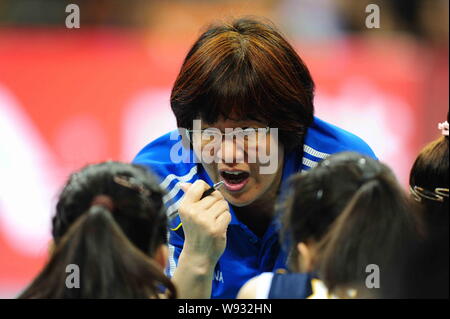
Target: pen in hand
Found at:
x=212, y=189
x=208, y=192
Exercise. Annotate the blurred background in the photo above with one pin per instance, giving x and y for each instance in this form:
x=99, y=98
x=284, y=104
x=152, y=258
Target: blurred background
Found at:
x=69, y=97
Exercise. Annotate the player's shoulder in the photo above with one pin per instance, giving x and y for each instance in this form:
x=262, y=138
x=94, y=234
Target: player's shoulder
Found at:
x=257, y=287
x=323, y=139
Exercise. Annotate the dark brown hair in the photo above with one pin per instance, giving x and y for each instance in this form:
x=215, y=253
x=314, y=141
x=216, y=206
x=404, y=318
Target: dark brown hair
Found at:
x=354, y=209
x=245, y=70
x=430, y=171
x=111, y=247
x=428, y=262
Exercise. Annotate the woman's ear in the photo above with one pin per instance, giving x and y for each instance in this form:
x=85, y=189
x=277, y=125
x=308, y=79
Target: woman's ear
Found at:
x=161, y=255
x=51, y=247
x=305, y=257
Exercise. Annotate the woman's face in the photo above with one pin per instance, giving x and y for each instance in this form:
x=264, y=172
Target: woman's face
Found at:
x=250, y=164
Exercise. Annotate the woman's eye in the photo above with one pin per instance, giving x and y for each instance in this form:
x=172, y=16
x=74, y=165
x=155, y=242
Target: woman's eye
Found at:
x=209, y=132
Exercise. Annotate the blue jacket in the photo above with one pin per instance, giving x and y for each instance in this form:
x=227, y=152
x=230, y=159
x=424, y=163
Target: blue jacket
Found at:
x=246, y=255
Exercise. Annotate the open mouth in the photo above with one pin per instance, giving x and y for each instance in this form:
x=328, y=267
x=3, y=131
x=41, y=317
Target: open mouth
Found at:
x=234, y=180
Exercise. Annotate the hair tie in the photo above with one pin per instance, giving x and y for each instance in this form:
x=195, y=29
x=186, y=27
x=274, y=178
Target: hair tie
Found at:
x=132, y=183
x=103, y=200
x=439, y=194
x=319, y=194
x=444, y=128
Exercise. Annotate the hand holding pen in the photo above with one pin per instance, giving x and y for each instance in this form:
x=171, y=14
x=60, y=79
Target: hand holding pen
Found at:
x=204, y=215
x=205, y=194
x=212, y=189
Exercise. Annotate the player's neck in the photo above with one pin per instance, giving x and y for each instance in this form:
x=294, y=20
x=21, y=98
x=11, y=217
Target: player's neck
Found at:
x=257, y=219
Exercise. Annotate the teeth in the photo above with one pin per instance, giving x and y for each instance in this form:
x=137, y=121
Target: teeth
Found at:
x=233, y=172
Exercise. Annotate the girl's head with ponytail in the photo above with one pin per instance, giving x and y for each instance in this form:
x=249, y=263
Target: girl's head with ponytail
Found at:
x=347, y=213
x=428, y=262
x=429, y=178
x=110, y=224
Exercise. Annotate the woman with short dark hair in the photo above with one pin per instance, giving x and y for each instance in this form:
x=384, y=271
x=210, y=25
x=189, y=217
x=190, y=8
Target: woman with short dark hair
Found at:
x=243, y=101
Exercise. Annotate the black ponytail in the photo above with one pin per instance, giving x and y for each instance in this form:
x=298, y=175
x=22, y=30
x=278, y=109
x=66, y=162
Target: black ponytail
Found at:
x=109, y=223
x=110, y=265
x=374, y=226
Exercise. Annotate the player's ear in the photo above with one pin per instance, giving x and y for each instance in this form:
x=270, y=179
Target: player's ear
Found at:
x=51, y=247
x=305, y=257
x=161, y=255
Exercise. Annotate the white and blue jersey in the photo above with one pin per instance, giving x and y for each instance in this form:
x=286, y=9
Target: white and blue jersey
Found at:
x=246, y=254
x=271, y=285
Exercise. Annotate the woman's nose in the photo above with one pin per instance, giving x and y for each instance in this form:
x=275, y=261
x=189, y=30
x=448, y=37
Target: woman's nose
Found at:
x=230, y=151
